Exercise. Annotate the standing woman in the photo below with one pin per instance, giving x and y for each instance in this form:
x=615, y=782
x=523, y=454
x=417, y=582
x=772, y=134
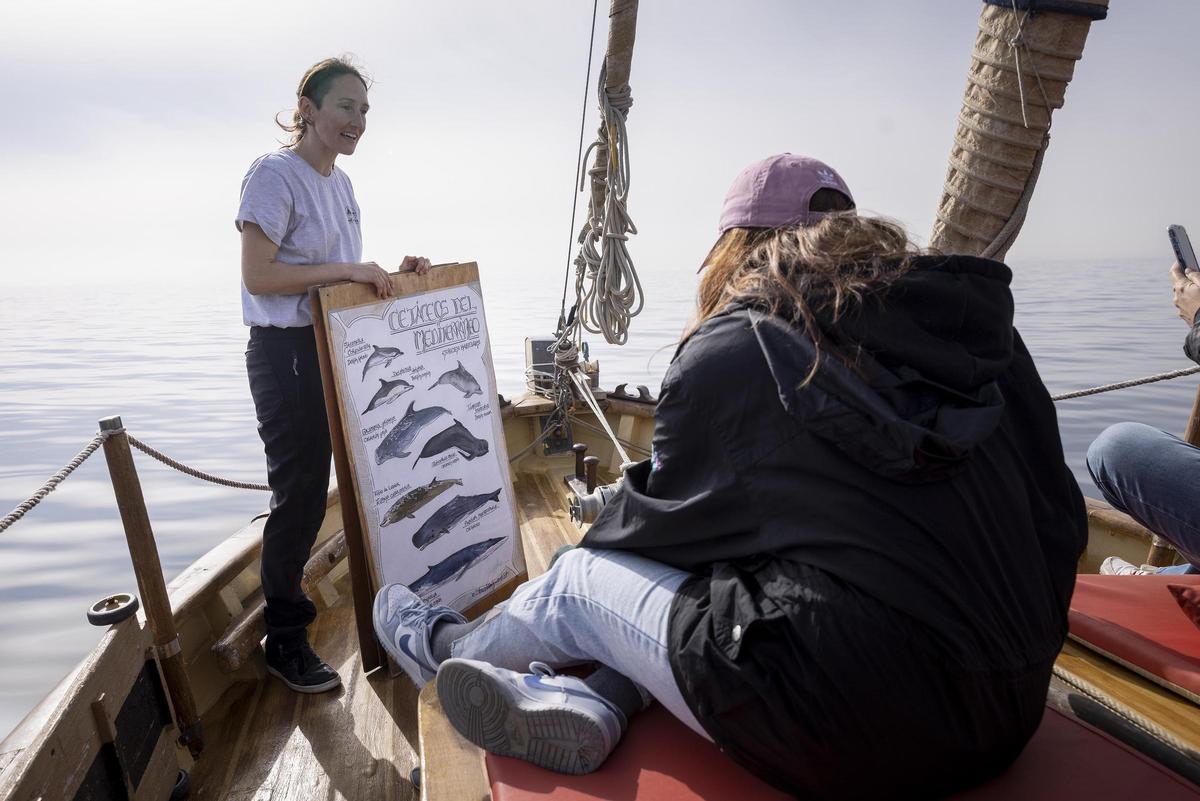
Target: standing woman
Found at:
x=299, y=224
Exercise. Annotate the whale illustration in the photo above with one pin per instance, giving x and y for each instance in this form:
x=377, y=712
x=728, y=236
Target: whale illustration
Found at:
x=414, y=499
x=404, y=432
x=455, y=565
x=446, y=518
x=384, y=356
x=456, y=436
x=388, y=391
x=461, y=380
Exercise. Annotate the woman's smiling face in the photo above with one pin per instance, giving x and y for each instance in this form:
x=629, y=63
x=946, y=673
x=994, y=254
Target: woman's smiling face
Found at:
x=341, y=119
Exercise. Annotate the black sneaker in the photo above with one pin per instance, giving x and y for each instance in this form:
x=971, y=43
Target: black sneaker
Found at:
x=296, y=665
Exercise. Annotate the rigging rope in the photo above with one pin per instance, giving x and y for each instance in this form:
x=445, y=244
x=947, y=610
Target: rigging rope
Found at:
x=587, y=83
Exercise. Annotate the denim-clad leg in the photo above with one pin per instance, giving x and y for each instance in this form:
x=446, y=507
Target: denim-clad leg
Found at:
x=610, y=607
x=1153, y=477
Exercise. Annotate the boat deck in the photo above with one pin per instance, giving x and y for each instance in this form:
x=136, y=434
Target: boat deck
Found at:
x=267, y=742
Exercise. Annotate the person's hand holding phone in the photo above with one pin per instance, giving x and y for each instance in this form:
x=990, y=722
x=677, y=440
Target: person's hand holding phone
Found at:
x=1186, y=292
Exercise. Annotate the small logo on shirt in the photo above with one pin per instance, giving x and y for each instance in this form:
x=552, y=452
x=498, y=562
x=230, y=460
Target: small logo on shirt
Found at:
x=352, y=215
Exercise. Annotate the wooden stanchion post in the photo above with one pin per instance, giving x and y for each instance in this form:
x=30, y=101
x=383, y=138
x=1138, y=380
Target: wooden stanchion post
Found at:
x=148, y=570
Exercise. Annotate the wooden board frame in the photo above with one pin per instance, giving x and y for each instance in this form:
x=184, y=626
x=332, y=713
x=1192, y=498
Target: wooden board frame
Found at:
x=328, y=298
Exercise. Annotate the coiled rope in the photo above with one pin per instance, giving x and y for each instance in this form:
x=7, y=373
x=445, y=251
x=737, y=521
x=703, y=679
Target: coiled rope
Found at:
x=52, y=483
x=614, y=296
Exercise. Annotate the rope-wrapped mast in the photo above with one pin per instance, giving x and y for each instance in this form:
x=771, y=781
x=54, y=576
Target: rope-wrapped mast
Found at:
x=618, y=60
x=1024, y=57
x=614, y=292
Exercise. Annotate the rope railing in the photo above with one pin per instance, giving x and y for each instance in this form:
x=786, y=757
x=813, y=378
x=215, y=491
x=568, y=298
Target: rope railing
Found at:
x=1136, y=382
x=191, y=471
x=33, y=500
x=27, y=505
x=52, y=483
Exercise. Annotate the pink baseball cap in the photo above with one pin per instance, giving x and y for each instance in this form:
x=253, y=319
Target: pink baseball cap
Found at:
x=776, y=192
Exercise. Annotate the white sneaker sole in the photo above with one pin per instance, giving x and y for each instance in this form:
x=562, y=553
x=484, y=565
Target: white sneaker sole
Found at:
x=501, y=720
x=336, y=681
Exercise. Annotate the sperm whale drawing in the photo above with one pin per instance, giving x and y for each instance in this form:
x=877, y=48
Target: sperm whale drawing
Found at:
x=456, y=436
x=446, y=518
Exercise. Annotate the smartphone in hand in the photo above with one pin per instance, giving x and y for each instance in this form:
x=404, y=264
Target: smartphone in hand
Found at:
x=1183, y=248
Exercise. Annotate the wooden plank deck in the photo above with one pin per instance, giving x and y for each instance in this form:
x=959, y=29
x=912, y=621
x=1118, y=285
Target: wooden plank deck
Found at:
x=267, y=742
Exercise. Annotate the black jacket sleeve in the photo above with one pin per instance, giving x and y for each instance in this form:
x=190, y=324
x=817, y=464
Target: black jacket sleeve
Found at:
x=677, y=506
x=1191, y=345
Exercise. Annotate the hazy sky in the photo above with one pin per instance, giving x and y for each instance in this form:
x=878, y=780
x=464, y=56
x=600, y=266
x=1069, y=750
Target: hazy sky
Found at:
x=128, y=124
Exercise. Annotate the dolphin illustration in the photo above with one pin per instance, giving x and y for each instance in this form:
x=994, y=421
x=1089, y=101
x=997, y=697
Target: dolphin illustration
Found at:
x=414, y=499
x=384, y=356
x=402, y=435
x=446, y=518
x=461, y=380
x=455, y=565
x=456, y=436
x=388, y=391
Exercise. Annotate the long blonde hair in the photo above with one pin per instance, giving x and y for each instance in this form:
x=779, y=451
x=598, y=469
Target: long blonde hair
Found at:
x=804, y=272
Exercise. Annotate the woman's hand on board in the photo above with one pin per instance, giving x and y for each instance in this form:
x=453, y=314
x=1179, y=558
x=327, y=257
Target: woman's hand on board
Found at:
x=415, y=264
x=368, y=272
x=1186, y=293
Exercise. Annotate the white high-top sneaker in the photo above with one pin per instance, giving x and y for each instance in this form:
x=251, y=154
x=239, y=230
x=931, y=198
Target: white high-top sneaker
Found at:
x=555, y=722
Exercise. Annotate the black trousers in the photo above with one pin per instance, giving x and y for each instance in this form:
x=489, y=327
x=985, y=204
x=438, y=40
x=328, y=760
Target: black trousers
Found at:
x=285, y=382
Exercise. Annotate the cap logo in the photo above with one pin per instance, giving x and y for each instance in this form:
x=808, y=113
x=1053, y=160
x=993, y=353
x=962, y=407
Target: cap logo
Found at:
x=827, y=177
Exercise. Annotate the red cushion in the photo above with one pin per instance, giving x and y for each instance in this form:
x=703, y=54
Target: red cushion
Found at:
x=660, y=759
x=1188, y=599
x=1135, y=620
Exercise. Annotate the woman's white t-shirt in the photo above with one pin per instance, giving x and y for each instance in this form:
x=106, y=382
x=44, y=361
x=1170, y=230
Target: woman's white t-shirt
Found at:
x=313, y=218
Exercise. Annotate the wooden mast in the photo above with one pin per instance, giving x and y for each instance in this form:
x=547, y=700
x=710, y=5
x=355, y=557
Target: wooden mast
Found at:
x=1020, y=68
x=618, y=59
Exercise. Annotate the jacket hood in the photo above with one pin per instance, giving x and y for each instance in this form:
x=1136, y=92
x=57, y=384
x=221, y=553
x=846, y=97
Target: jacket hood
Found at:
x=916, y=390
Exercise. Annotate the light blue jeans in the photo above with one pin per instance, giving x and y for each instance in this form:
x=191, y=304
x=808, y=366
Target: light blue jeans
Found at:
x=610, y=607
x=1153, y=477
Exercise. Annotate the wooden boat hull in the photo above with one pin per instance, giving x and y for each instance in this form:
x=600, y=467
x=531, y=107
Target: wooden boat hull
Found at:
x=362, y=741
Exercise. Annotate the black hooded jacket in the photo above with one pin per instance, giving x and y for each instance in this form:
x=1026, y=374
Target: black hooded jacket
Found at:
x=911, y=508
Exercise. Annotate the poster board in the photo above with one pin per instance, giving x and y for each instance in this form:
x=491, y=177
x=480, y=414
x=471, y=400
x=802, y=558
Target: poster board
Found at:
x=419, y=438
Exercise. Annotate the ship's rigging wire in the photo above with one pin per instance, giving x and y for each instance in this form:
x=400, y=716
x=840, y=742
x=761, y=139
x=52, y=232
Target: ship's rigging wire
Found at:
x=587, y=87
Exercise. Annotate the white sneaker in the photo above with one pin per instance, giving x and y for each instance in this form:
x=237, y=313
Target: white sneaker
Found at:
x=1116, y=566
x=403, y=623
x=555, y=722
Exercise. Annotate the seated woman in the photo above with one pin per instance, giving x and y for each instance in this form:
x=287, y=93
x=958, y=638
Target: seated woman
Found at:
x=849, y=559
x=1149, y=474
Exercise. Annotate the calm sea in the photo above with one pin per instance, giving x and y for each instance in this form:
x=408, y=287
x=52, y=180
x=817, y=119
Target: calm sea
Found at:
x=169, y=361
